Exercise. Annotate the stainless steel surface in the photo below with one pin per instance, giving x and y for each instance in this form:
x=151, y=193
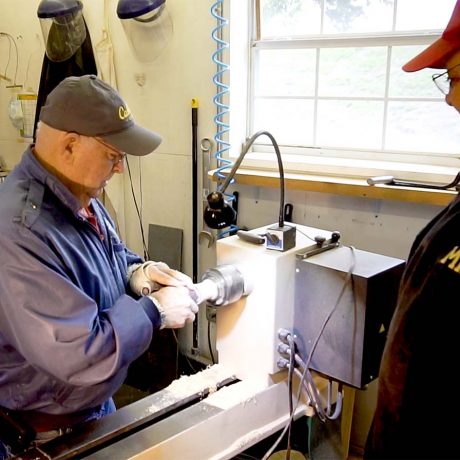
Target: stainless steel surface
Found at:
x=350, y=347
x=229, y=282
x=219, y=427
x=155, y=434
x=129, y=419
x=216, y=428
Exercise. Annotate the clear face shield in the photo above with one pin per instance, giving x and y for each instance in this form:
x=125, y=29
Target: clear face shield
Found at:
x=63, y=27
x=147, y=25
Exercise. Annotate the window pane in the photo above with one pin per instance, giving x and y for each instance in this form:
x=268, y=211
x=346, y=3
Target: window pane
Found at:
x=352, y=71
x=286, y=73
x=290, y=121
x=281, y=18
x=410, y=84
x=353, y=124
x=324, y=93
x=346, y=16
x=423, y=14
x=422, y=127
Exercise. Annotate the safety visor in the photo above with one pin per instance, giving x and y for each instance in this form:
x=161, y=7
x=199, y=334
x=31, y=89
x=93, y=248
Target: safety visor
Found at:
x=63, y=28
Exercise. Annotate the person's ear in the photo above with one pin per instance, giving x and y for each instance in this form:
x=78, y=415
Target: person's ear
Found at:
x=70, y=141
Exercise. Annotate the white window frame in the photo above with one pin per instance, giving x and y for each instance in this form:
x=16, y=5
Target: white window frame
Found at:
x=437, y=168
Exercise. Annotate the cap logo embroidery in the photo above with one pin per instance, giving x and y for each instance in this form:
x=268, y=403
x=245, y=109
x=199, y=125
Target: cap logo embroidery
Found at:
x=123, y=112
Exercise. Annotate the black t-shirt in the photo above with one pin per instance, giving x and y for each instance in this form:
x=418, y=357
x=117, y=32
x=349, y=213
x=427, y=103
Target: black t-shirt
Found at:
x=418, y=407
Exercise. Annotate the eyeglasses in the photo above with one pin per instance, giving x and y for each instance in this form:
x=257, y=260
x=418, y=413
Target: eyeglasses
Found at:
x=443, y=81
x=115, y=156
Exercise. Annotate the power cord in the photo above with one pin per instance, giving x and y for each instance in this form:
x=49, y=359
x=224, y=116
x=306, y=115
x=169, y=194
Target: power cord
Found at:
x=138, y=211
x=286, y=336
x=213, y=360
x=146, y=253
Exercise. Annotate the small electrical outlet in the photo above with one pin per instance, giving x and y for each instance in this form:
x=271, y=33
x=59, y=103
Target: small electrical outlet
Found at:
x=211, y=313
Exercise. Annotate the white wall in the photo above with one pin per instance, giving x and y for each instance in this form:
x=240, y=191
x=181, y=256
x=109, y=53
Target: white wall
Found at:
x=163, y=103
x=386, y=227
x=27, y=34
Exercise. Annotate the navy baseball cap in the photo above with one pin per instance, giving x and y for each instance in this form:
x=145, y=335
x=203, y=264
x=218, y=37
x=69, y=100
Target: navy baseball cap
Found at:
x=87, y=105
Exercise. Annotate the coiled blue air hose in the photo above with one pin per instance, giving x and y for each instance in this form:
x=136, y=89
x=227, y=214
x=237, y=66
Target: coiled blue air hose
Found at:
x=222, y=109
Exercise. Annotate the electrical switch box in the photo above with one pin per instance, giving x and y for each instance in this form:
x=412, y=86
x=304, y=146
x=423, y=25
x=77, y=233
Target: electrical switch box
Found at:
x=344, y=301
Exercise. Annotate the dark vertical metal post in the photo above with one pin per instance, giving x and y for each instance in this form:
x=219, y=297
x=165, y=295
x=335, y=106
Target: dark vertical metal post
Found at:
x=195, y=207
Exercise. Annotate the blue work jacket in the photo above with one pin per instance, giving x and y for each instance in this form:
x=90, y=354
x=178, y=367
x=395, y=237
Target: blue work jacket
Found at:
x=69, y=327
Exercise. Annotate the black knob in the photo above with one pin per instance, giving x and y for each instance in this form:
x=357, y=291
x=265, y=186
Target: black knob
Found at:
x=320, y=240
x=335, y=236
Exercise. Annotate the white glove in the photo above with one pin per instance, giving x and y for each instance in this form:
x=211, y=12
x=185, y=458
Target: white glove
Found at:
x=151, y=276
x=175, y=305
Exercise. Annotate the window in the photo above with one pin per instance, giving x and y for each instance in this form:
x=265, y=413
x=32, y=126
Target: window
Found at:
x=326, y=81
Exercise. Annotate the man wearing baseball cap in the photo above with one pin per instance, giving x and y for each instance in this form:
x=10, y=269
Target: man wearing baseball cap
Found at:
x=417, y=406
x=72, y=314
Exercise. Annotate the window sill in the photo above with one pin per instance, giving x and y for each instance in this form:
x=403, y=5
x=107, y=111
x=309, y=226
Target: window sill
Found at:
x=342, y=186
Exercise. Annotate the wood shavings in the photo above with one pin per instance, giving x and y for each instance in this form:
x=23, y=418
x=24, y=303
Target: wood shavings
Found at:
x=240, y=392
x=189, y=385
x=208, y=379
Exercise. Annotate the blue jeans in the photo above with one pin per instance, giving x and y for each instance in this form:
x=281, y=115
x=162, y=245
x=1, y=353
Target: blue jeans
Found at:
x=107, y=408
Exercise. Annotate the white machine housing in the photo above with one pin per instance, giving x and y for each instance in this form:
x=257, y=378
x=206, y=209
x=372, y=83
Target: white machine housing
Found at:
x=247, y=331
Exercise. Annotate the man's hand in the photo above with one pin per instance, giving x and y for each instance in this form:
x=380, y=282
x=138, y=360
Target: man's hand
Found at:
x=151, y=276
x=160, y=273
x=175, y=306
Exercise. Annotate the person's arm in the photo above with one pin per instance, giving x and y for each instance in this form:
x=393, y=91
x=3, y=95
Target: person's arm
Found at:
x=61, y=331
x=143, y=277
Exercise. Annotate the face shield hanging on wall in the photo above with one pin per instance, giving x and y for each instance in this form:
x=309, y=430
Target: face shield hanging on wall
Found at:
x=147, y=25
x=62, y=26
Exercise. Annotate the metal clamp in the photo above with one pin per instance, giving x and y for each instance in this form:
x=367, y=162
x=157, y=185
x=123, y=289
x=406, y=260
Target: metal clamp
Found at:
x=322, y=245
x=206, y=235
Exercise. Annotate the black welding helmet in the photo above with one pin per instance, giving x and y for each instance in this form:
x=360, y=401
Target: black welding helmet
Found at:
x=63, y=27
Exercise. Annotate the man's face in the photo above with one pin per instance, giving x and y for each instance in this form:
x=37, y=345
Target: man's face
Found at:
x=93, y=164
x=453, y=67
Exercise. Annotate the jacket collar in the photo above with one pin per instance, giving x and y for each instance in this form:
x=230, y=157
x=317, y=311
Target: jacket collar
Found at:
x=34, y=169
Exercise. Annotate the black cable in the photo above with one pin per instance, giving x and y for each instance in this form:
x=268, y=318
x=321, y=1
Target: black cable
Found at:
x=185, y=356
x=210, y=343
x=139, y=215
x=177, y=354
x=240, y=158
x=146, y=253
x=141, y=207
